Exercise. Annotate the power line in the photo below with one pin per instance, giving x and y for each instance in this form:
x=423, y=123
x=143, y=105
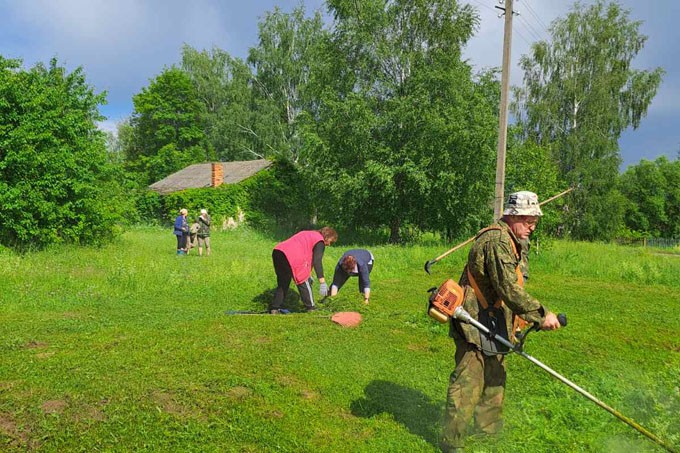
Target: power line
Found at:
x=533, y=13
x=536, y=34
x=519, y=33
x=483, y=5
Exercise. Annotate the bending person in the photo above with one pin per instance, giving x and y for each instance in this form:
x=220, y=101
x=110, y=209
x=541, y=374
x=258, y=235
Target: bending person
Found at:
x=355, y=262
x=294, y=259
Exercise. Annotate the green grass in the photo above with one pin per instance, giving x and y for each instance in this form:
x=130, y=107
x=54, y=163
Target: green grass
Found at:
x=128, y=348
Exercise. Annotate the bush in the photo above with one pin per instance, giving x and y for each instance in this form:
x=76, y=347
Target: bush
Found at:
x=56, y=182
x=221, y=202
x=280, y=199
x=276, y=200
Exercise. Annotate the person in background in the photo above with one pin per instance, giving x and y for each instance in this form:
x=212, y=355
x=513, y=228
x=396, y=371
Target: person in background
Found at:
x=355, y=262
x=192, y=238
x=294, y=259
x=181, y=231
x=494, y=295
x=204, y=233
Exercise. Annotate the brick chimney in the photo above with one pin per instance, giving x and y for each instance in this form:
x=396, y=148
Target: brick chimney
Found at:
x=217, y=174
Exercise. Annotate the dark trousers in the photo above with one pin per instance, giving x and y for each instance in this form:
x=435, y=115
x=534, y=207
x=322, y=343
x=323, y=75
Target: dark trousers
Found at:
x=181, y=242
x=284, y=274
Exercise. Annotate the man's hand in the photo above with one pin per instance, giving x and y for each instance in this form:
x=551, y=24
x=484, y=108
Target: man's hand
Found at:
x=323, y=289
x=551, y=322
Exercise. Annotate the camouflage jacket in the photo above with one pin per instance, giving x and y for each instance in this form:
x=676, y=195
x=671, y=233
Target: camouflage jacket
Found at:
x=492, y=261
x=204, y=226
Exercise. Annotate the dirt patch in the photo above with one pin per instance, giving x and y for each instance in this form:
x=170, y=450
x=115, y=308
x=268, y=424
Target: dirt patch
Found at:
x=54, y=406
x=36, y=345
x=288, y=381
x=71, y=315
x=671, y=346
x=90, y=414
x=417, y=347
x=44, y=355
x=10, y=428
x=346, y=415
x=7, y=426
x=239, y=393
x=309, y=394
x=7, y=385
x=263, y=340
x=274, y=414
x=167, y=403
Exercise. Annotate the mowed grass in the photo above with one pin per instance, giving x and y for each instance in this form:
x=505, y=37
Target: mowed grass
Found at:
x=128, y=348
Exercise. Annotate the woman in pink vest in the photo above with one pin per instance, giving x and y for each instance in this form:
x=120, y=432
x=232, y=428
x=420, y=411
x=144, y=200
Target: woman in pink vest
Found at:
x=294, y=259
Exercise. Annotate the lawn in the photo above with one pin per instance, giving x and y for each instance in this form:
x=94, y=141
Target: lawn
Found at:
x=129, y=348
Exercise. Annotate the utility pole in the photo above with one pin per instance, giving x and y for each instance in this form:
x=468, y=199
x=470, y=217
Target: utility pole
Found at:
x=503, y=113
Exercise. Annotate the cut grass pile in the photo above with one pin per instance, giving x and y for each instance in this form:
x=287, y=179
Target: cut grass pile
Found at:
x=128, y=348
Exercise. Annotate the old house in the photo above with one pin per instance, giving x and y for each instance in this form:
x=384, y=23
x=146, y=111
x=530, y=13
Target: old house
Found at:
x=213, y=174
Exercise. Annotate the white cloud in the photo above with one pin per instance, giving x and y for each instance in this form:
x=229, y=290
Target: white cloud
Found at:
x=108, y=126
x=122, y=44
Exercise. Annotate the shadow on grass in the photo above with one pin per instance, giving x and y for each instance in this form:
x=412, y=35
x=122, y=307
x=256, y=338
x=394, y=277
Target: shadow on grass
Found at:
x=292, y=301
x=411, y=408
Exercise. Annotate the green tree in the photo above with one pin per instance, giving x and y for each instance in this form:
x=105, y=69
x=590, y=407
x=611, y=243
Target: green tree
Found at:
x=580, y=93
x=652, y=190
x=531, y=167
x=167, y=130
x=222, y=84
x=57, y=184
x=403, y=135
x=283, y=63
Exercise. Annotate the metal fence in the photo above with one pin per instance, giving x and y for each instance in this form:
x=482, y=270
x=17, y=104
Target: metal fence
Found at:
x=662, y=242
x=651, y=242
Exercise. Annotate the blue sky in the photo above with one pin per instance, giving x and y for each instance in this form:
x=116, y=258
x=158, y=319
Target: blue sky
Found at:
x=122, y=44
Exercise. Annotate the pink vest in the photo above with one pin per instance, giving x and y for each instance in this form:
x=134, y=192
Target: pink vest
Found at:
x=298, y=250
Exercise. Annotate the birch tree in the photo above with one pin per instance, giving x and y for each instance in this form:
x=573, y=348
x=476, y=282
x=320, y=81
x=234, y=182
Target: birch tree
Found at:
x=580, y=92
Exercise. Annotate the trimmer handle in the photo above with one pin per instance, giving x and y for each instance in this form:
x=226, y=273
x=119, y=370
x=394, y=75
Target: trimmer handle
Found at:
x=562, y=318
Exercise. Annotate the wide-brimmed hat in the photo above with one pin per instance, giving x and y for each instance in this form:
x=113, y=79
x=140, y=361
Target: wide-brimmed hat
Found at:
x=523, y=203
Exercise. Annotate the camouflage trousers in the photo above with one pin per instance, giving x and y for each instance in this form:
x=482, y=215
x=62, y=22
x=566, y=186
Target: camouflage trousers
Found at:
x=476, y=387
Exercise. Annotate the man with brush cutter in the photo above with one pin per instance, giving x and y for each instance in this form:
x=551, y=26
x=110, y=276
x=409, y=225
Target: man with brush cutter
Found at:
x=494, y=295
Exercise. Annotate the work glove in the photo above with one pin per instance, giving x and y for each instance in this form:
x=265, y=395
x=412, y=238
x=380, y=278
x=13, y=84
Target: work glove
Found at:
x=323, y=289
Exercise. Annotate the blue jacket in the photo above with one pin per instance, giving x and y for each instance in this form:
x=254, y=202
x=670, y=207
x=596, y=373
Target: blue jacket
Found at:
x=181, y=226
x=364, y=266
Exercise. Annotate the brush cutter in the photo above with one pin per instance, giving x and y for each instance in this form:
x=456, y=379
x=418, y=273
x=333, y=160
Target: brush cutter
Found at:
x=460, y=314
x=428, y=264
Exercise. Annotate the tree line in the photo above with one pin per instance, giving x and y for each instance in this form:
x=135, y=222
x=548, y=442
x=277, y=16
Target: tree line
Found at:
x=376, y=117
